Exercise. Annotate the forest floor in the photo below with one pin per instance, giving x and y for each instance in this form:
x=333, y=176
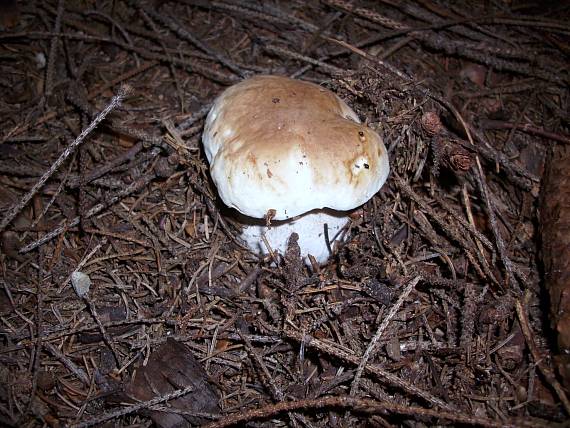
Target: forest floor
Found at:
x=126, y=296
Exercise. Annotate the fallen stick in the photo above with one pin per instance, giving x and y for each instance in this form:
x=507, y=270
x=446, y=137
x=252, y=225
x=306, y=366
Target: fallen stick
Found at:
x=555, y=227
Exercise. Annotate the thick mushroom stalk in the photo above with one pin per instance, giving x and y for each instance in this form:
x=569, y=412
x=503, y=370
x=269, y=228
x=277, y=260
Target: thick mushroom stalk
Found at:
x=318, y=231
x=292, y=149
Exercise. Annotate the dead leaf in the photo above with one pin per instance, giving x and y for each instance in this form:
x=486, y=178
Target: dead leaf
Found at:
x=172, y=367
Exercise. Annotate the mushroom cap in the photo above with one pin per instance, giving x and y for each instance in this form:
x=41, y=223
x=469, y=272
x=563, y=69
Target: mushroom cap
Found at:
x=289, y=146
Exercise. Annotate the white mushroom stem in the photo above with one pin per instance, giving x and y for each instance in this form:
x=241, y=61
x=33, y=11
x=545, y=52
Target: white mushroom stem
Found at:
x=311, y=230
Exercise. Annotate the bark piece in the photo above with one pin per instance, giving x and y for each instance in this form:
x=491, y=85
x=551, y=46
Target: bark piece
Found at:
x=555, y=228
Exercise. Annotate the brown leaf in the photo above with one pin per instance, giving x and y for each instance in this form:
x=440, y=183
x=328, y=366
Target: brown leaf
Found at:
x=171, y=367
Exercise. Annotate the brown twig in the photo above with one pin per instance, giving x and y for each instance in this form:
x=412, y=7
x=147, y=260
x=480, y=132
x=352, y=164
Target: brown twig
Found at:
x=538, y=358
x=133, y=187
x=71, y=366
x=181, y=30
x=384, y=375
x=134, y=408
x=330, y=69
x=374, y=341
x=451, y=232
x=507, y=262
x=15, y=210
x=266, y=377
x=467, y=50
x=356, y=404
x=497, y=124
x=53, y=49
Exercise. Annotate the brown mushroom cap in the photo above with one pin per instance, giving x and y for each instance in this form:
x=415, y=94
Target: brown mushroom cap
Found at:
x=281, y=144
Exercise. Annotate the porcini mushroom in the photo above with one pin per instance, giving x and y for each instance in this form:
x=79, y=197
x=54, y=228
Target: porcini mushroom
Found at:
x=292, y=153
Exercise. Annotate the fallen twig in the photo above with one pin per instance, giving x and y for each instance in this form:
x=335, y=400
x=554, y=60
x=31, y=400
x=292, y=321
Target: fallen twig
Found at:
x=134, y=408
x=392, y=379
x=15, y=210
x=372, y=345
x=538, y=358
x=357, y=404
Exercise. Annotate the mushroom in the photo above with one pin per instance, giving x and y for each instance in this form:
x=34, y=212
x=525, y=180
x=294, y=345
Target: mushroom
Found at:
x=291, y=156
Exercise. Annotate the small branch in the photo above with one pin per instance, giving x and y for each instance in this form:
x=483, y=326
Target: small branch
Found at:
x=451, y=232
x=497, y=124
x=538, y=358
x=357, y=404
x=372, y=346
x=382, y=374
x=490, y=56
x=17, y=208
x=468, y=315
x=133, y=187
x=370, y=58
x=276, y=50
x=134, y=408
x=174, y=26
x=507, y=262
x=53, y=49
x=106, y=338
x=266, y=377
x=70, y=365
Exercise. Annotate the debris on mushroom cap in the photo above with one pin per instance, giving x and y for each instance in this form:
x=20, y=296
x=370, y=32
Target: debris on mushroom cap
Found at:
x=275, y=143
